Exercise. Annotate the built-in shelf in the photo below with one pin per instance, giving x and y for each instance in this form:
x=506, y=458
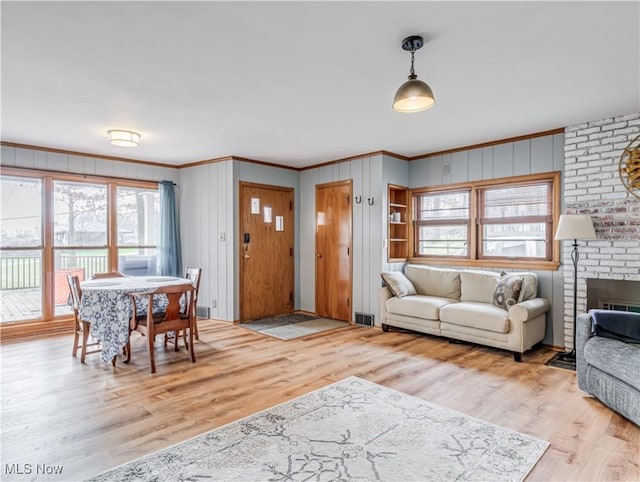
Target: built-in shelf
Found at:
x=397, y=229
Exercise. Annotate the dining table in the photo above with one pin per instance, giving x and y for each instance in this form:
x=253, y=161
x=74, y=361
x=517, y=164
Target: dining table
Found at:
x=106, y=305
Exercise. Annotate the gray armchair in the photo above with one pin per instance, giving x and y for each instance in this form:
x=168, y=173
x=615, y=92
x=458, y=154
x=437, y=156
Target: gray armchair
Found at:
x=608, y=369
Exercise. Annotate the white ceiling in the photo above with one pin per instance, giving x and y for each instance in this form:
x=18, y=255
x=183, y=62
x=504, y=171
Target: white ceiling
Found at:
x=300, y=83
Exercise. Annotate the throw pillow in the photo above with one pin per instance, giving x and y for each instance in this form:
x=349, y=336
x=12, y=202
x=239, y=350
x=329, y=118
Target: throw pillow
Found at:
x=507, y=291
x=398, y=283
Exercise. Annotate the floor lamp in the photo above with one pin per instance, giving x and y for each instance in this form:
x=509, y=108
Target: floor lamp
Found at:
x=573, y=227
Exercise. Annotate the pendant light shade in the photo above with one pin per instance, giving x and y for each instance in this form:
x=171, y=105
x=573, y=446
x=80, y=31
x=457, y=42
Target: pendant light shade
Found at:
x=414, y=95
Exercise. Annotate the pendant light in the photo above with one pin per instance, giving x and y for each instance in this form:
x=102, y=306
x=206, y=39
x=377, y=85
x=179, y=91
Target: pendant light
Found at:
x=414, y=95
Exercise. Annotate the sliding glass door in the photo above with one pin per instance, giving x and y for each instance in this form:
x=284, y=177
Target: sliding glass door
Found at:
x=79, y=236
x=53, y=225
x=21, y=248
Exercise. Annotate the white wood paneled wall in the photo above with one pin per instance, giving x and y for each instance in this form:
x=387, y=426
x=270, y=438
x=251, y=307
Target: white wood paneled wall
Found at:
x=206, y=215
x=76, y=164
x=531, y=156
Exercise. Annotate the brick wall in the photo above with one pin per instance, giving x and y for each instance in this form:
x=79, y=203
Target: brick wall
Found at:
x=592, y=185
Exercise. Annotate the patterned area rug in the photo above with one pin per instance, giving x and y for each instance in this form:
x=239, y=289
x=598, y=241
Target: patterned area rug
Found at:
x=350, y=430
x=295, y=325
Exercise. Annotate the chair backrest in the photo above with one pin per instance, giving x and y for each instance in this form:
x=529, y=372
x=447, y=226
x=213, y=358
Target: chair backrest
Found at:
x=113, y=274
x=193, y=274
x=173, y=313
x=174, y=294
x=76, y=292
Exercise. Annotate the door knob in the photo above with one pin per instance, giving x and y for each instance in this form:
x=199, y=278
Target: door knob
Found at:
x=319, y=255
x=246, y=256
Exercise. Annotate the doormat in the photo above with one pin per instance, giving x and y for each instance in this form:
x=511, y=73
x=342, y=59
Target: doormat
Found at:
x=294, y=325
x=352, y=430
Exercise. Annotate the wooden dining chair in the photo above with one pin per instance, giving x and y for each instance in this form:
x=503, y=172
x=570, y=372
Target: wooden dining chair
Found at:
x=173, y=318
x=83, y=327
x=113, y=274
x=193, y=274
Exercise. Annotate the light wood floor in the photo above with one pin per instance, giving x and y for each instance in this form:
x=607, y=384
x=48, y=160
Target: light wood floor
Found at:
x=93, y=417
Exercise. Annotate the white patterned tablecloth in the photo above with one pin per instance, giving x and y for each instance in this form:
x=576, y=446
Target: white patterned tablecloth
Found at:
x=106, y=305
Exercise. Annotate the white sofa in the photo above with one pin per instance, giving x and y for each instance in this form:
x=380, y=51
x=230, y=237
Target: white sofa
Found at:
x=459, y=304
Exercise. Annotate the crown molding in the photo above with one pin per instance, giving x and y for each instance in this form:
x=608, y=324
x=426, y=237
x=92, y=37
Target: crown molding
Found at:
x=525, y=137
x=401, y=157
x=358, y=156
x=83, y=154
x=236, y=158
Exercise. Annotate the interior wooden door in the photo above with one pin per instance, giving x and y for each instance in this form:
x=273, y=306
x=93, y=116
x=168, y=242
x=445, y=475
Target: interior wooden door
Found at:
x=333, y=250
x=266, y=251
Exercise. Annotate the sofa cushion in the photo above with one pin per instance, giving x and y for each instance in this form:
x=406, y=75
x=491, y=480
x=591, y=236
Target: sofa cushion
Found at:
x=398, y=283
x=529, y=289
x=418, y=306
x=617, y=358
x=507, y=291
x=428, y=281
x=476, y=315
x=478, y=286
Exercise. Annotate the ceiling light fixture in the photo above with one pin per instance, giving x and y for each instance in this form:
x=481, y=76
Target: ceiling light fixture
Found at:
x=414, y=95
x=122, y=138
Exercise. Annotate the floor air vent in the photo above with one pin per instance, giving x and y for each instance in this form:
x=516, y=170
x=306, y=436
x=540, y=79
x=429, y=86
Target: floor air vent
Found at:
x=202, y=312
x=365, y=319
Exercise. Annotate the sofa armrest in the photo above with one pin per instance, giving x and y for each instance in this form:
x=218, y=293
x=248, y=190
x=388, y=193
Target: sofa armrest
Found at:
x=383, y=295
x=583, y=333
x=529, y=309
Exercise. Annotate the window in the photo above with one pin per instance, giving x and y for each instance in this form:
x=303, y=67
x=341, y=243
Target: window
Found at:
x=137, y=219
x=59, y=224
x=516, y=221
x=442, y=223
x=507, y=220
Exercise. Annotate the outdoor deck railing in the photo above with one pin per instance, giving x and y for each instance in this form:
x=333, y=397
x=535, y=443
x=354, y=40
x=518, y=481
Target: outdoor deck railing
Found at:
x=26, y=271
x=90, y=264
x=20, y=272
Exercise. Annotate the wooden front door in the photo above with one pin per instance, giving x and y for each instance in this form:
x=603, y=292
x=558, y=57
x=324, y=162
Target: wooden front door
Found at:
x=333, y=250
x=266, y=251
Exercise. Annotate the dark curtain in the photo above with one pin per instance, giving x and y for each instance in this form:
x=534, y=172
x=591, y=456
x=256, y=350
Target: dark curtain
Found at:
x=169, y=250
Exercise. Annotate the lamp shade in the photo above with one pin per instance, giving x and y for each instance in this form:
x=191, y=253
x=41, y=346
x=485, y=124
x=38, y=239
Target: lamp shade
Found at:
x=123, y=138
x=575, y=226
x=413, y=96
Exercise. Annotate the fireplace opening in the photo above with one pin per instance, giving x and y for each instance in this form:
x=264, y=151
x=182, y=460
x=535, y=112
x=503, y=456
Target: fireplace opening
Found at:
x=606, y=294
